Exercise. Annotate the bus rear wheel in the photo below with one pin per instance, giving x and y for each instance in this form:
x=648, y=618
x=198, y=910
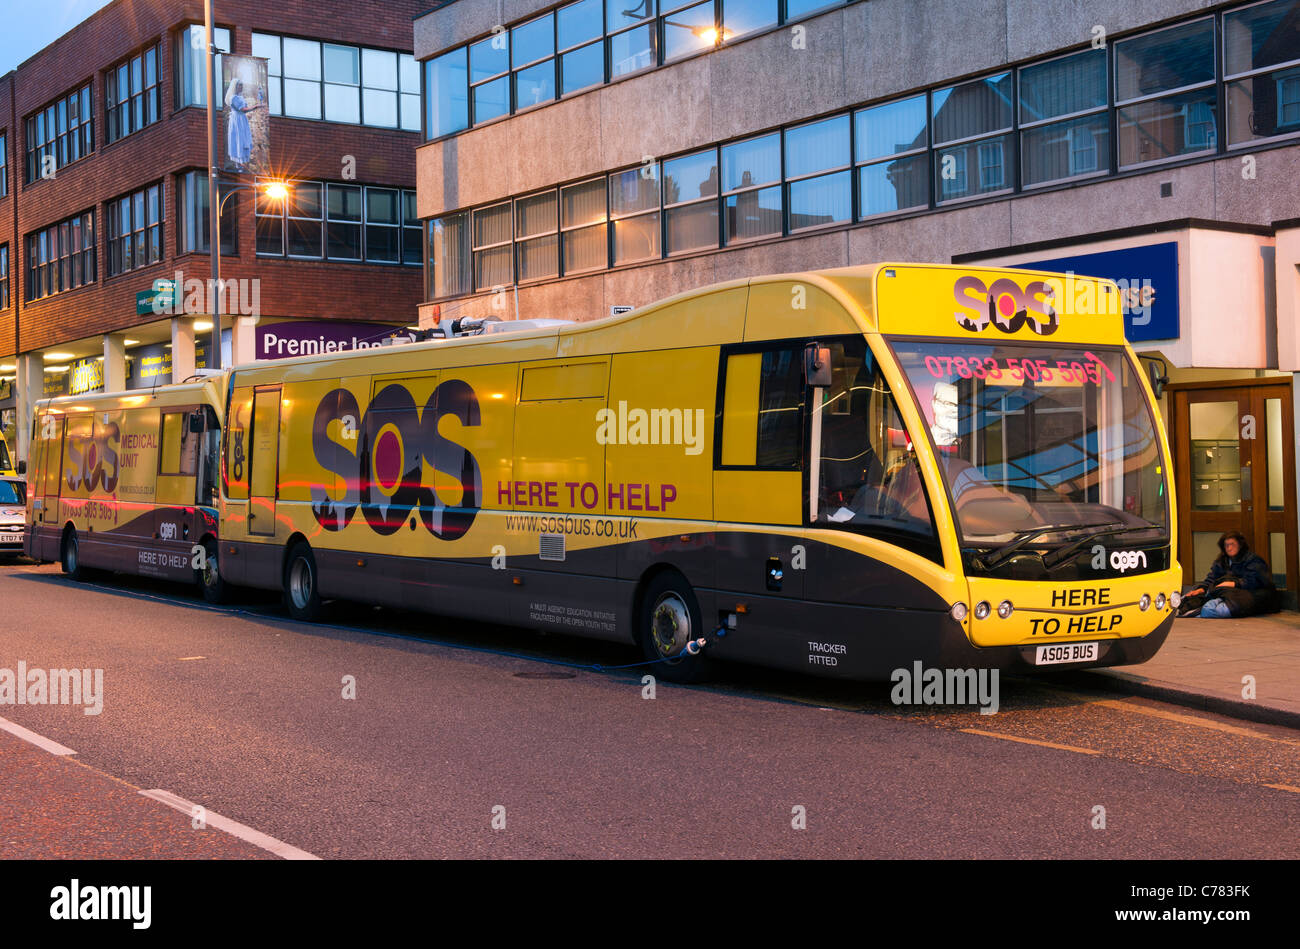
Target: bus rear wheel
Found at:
x=70, y=557
x=670, y=618
x=301, y=590
x=208, y=576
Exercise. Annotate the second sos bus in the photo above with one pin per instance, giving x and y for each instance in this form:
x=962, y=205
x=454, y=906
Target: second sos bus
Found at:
x=841, y=472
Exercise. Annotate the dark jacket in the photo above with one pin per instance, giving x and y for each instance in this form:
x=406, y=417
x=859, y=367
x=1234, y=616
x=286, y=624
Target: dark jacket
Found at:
x=1254, y=591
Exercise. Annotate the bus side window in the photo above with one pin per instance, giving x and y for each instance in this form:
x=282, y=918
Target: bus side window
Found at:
x=762, y=423
x=237, y=447
x=868, y=476
x=179, y=454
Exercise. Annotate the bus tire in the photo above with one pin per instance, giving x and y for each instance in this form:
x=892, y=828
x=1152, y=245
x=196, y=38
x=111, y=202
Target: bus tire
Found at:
x=301, y=586
x=670, y=618
x=208, y=576
x=70, y=557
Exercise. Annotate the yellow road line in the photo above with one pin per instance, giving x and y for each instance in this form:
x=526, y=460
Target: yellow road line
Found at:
x=1029, y=741
x=1187, y=719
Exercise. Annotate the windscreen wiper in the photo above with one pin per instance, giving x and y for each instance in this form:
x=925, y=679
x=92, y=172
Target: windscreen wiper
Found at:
x=994, y=558
x=1064, y=553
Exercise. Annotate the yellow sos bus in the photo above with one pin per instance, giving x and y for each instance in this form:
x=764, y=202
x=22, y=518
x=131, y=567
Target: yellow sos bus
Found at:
x=842, y=472
x=127, y=481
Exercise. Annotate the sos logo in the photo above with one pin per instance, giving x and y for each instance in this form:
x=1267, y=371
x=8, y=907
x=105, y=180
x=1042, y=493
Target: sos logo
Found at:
x=1004, y=305
x=384, y=475
x=92, y=462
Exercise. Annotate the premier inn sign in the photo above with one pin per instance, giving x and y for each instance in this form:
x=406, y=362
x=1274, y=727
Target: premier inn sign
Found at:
x=312, y=337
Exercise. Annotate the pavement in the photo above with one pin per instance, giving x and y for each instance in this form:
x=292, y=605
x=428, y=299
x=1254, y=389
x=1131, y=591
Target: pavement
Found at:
x=1205, y=663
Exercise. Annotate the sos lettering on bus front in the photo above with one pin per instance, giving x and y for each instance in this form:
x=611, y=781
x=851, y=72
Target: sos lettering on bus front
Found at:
x=395, y=437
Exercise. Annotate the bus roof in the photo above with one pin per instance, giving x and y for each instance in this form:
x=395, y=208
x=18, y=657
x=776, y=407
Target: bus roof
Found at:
x=209, y=391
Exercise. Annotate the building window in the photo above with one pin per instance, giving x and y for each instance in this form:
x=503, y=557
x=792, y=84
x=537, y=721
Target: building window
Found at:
x=304, y=220
x=537, y=234
x=578, y=32
x=1165, y=93
x=747, y=16
x=61, y=257
x=690, y=186
x=192, y=59
x=4, y=276
x=819, y=193
x=4, y=164
x=893, y=165
x=446, y=96
x=193, y=222
x=135, y=230
x=532, y=61
x=355, y=85
x=343, y=222
x=631, y=29
x=583, y=215
x=1261, y=48
x=59, y=134
x=1063, y=119
x=412, y=236
x=489, y=77
x=687, y=29
x=492, y=250
x=634, y=211
x=449, y=272
x=966, y=120
x=132, y=97
x=383, y=226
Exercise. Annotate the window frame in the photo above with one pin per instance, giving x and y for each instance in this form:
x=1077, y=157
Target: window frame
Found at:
x=116, y=112
x=138, y=234
x=761, y=348
x=49, y=131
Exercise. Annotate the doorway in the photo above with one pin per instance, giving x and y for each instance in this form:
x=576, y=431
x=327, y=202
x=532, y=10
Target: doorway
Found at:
x=1234, y=468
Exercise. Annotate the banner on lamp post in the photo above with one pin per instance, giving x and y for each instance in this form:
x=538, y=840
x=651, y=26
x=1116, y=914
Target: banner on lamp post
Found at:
x=246, y=144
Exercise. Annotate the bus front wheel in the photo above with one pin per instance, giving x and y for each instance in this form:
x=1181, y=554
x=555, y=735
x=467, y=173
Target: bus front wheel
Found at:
x=70, y=557
x=669, y=619
x=301, y=590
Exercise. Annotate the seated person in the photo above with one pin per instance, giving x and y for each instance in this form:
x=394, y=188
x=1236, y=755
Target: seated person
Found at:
x=1239, y=584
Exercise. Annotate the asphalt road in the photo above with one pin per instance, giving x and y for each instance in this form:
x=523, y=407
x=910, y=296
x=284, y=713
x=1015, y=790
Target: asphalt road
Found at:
x=242, y=711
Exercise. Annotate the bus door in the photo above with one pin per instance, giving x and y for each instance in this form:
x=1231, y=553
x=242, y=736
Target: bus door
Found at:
x=264, y=461
x=50, y=434
x=758, y=477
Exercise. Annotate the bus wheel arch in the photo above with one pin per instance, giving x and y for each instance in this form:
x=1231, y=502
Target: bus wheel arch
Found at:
x=300, y=580
x=667, y=615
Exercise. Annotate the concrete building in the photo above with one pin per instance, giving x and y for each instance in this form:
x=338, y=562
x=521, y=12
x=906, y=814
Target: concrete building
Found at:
x=586, y=155
x=104, y=199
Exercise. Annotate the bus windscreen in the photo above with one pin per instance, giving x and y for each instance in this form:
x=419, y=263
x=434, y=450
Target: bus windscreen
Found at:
x=1037, y=442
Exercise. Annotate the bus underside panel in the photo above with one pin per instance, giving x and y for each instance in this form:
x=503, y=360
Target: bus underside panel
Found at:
x=134, y=546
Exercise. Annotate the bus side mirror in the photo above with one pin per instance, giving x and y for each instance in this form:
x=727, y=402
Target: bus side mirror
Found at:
x=817, y=365
x=1157, y=373
x=22, y=467
x=196, y=422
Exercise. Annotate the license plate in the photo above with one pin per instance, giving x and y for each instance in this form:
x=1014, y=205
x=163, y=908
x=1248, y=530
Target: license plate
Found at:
x=11, y=538
x=1066, y=652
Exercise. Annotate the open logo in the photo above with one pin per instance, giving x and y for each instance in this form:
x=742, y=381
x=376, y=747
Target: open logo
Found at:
x=1005, y=305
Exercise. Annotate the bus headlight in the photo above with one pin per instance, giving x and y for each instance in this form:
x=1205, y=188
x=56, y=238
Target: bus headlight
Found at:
x=1145, y=602
x=982, y=609
x=1160, y=601
x=1175, y=600
x=1005, y=609
x=959, y=611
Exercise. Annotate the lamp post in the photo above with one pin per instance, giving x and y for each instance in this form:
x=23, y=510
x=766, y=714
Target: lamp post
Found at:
x=214, y=233
x=275, y=190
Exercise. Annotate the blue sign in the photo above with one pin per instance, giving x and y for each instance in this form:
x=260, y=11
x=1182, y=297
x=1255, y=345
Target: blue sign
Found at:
x=1148, y=285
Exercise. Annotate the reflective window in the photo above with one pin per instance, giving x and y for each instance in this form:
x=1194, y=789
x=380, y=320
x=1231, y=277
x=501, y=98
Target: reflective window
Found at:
x=690, y=189
x=449, y=256
x=634, y=210
x=492, y=250
x=192, y=61
x=446, y=96
x=1261, y=61
x=132, y=95
x=343, y=222
x=688, y=30
x=893, y=168
x=751, y=177
x=582, y=223
x=1073, y=89
x=961, y=115
x=745, y=16
x=135, y=230
x=1164, y=88
x=817, y=199
x=536, y=232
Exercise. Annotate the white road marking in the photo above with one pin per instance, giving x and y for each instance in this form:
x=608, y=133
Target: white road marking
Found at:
x=232, y=827
x=53, y=747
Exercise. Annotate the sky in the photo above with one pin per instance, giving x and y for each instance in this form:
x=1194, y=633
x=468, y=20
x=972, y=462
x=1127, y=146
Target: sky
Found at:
x=31, y=26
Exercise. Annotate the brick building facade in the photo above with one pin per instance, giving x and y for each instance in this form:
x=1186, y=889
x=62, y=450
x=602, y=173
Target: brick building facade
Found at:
x=344, y=113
